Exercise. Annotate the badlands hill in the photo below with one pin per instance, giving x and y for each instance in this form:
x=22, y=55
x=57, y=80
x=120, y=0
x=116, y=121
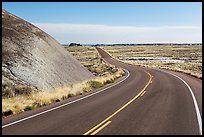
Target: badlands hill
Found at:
x=32, y=57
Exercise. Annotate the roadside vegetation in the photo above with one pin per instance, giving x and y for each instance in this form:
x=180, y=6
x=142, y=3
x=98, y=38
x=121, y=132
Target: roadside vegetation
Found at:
x=26, y=99
x=186, y=59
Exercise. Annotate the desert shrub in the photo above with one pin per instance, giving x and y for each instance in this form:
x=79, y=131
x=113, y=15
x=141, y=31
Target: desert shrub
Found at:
x=109, y=81
x=7, y=113
x=111, y=69
x=86, y=89
x=70, y=95
x=123, y=74
x=17, y=109
x=8, y=90
x=20, y=89
x=114, y=70
x=95, y=84
x=64, y=97
x=55, y=100
x=29, y=107
x=37, y=104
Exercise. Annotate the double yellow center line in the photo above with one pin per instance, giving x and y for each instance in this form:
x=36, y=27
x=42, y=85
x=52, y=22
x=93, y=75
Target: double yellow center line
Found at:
x=107, y=121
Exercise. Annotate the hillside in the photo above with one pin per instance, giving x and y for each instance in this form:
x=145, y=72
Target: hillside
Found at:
x=32, y=57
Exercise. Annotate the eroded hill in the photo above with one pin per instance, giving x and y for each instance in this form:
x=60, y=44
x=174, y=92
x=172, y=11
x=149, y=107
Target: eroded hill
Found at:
x=32, y=57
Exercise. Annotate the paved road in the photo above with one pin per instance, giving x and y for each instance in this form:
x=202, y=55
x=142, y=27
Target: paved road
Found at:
x=144, y=102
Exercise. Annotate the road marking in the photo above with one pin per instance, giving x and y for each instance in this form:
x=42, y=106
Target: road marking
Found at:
x=46, y=111
x=102, y=127
x=116, y=112
x=194, y=101
x=143, y=93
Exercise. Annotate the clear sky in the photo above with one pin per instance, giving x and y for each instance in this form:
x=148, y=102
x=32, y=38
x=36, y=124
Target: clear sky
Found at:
x=114, y=22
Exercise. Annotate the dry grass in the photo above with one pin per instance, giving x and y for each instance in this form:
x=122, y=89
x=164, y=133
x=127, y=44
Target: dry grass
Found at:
x=19, y=103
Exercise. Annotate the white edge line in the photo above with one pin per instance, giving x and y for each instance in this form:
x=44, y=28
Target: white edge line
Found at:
x=67, y=103
x=194, y=101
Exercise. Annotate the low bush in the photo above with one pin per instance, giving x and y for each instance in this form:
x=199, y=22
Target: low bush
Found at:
x=123, y=74
x=55, y=100
x=17, y=109
x=70, y=95
x=95, y=84
x=29, y=107
x=109, y=81
x=20, y=89
x=7, y=113
x=8, y=90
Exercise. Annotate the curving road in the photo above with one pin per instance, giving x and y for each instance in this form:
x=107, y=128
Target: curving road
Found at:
x=145, y=102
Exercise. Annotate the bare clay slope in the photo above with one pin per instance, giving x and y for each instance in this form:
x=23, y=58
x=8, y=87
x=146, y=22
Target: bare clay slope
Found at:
x=32, y=57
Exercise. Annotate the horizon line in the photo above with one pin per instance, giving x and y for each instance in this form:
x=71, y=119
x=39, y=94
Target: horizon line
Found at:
x=156, y=43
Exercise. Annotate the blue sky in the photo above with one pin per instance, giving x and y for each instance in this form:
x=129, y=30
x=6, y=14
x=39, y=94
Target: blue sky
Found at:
x=114, y=22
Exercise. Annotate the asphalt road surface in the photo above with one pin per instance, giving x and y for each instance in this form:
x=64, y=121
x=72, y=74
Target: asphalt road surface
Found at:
x=144, y=102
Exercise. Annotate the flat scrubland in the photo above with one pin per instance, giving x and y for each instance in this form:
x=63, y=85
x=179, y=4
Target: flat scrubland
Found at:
x=89, y=58
x=181, y=58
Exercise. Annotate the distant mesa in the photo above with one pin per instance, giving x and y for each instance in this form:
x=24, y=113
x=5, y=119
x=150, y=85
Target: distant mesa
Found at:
x=74, y=44
x=32, y=57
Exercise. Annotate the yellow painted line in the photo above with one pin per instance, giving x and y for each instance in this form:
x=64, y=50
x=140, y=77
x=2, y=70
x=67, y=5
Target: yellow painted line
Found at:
x=108, y=118
x=91, y=130
x=102, y=127
x=143, y=93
